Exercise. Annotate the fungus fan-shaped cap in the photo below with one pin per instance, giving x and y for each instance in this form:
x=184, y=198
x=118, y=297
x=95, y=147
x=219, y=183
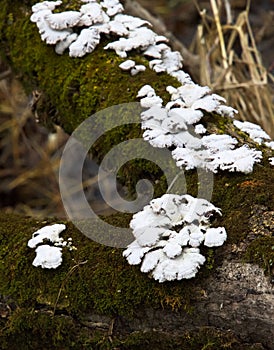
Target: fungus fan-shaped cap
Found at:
x=85, y=43
x=47, y=257
x=45, y=5
x=92, y=13
x=127, y=65
x=63, y=20
x=215, y=237
x=49, y=232
x=113, y=7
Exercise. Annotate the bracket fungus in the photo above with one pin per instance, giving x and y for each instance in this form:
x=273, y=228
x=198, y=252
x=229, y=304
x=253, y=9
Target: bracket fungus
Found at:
x=255, y=132
x=177, y=127
x=47, y=257
x=130, y=65
x=113, y=7
x=168, y=233
x=50, y=233
x=49, y=246
x=85, y=43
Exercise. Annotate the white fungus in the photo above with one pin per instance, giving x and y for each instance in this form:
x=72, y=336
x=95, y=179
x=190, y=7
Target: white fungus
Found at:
x=162, y=250
x=215, y=237
x=47, y=257
x=48, y=34
x=270, y=144
x=130, y=22
x=92, y=13
x=85, y=43
x=61, y=46
x=255, y=132
x=137, y=38
x=113, y=7
x=50, y=233
x=46, y=5
x=127, y=65
x=176, y=127
x=116, y=28
x=137, y=69
x=146, y=90
x=132, y=66
x=49, y=246
x=155, y=51
x=170, y=61
x=63, y=20
x=200, y=129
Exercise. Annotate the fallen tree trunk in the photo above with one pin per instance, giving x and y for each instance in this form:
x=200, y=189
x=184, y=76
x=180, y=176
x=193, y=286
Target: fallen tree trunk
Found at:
x=95, y=297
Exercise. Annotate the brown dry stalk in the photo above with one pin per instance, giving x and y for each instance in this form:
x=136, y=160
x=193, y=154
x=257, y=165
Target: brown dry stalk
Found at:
x=231, y=65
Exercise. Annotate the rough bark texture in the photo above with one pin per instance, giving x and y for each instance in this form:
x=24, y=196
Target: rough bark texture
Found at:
x=105, y=303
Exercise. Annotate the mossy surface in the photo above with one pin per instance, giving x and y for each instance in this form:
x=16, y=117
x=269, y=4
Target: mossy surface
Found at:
x=95, y=277
x=92, y=277
x=98, y=278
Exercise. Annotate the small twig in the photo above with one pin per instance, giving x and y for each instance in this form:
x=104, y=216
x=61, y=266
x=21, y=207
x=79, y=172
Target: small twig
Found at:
x=220, y=33
x=63, y=283
x=228, y=12
x=110, y=330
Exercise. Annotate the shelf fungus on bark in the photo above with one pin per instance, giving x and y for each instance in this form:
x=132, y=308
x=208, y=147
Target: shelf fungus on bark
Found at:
x=49, y=246
x=176, y=125
x=48, y=257
x=130, y=65
x=168, y=233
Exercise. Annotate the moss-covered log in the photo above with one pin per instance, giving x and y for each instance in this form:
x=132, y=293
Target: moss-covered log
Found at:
x=95, y=300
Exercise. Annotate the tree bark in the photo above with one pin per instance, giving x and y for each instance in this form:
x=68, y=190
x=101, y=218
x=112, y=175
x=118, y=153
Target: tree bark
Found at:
x=234, y=291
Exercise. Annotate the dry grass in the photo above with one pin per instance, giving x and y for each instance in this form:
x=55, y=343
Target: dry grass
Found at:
x=29, y=156
x=231, y=64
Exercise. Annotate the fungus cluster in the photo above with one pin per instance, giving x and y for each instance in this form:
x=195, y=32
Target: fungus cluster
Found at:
x=93, y=18
x=178, y=124
x=255, y=132
x=168, y=231
x=49, y=246
x=130, y=65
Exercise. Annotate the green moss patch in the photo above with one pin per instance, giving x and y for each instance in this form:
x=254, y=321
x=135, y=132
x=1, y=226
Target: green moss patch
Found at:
x=94, y=277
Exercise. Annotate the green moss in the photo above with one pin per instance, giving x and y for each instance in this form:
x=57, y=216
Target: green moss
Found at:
x=31, y=330
x=261, y=252
x=104, y=282
x=93, y=278
x=204, y=339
